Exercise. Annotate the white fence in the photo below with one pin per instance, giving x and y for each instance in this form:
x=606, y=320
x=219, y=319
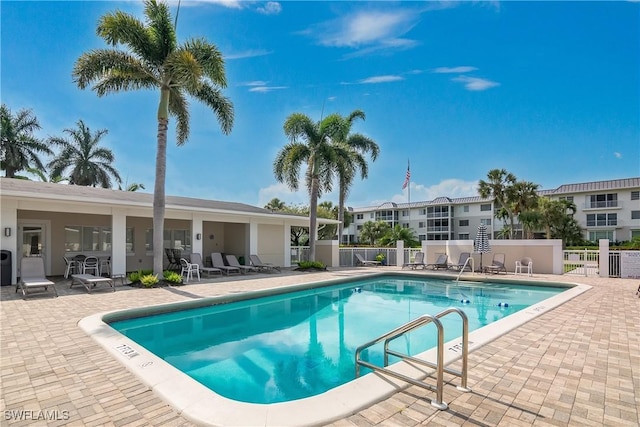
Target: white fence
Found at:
x=581, y=262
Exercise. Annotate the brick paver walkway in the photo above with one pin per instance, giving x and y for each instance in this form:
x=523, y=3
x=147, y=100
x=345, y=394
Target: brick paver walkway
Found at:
x=578, y=365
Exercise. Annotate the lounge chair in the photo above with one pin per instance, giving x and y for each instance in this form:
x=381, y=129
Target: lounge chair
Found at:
x=441, y=262
x=217, y=262
x=196, y=258
x=418, y=261
x=32, y=276
x=233, y=262
x=187, y=269
x=497, y=265
x=361, y=261
x=464, y=256
x=524, y=263
x=263, y=266
x=90, y=281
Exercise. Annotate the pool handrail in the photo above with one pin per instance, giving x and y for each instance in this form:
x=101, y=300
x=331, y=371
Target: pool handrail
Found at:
x=473, y=268
x=439, y=365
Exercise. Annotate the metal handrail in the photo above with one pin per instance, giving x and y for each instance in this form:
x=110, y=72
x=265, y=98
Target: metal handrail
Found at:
x=473, y=267
x=439, y=365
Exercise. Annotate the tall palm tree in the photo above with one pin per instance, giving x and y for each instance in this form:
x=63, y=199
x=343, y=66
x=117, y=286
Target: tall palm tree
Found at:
x=500, y=187
x=275, y=204
x=347, y=167
x=19, y=148
x=525, y=198
x=153, y=59
x=310, y=145
x=407, y=235
x=81, y=155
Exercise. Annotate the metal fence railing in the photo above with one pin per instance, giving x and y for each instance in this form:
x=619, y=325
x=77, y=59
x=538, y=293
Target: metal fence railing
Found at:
x=614, y=264
x=581, y=262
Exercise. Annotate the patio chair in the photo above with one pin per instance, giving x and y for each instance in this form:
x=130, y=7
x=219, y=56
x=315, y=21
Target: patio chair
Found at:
x=196, y=258
x=218, y=262
x=263, y=266
x=91, y=266
x=233, y=262
x=418, y=261
x=441, y=262
x=174, y=263
x=524, y=263
x=361, y=261
x=188, y=269
x=71, y=267
x=464, y=256
x=497, y=265
x=32, y=276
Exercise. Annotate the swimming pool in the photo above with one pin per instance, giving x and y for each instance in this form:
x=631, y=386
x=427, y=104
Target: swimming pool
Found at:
x=272, y=354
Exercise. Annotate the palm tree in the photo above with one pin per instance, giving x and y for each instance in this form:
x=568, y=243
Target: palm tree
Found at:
x=372, y=231
x=155, y=60
x=347, y=167
x=500, y=187
x=275, y=204
x=87, y=162
x=554, y=213
x=310, y=145
x=134, y=186
x=19, y=148
x=407, y=235
x=525, y=198
x=43, y=177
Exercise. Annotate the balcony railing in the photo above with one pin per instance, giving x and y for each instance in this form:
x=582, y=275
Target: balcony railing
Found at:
x=603, y=204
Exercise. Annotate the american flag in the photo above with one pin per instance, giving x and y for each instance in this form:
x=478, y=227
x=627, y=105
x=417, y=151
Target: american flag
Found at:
x=408, y=177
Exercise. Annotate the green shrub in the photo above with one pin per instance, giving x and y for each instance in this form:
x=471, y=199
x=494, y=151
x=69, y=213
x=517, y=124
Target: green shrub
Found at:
x=149, y=280
x=172, y=276
x=134, y=276
x=380, y=257
x=311, y=264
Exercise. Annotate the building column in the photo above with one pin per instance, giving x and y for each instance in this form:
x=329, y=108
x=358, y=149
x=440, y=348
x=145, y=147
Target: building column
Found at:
x=603, y=258
x=118, y=241
x=196, y=231
x=9, y=220
x=400, y=253
x=253, y=239
x=287, y=245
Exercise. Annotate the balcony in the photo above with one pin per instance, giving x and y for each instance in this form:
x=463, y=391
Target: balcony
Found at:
x=604, y=204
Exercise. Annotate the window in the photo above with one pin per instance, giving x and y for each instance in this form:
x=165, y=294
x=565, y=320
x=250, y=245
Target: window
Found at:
x=602, y=220
x=635, y=233
x=423, y=211
x=371, y=215
x=405, y=225
x=465, y=208
x=387, y=215
x=463, y=236
x=438, y=212
x=485, y=207
x=405, y=212
x=421, y=224
x=87, y=239
x=486, y=221
x=129, y=240
x=568, y=198
x=603, y=200
x=635, y=195
x=173, y=239
x=635, y=214
x=359, y=227
x=422, y=237
x=463, y=223
x=359, y=216
x=594, y=236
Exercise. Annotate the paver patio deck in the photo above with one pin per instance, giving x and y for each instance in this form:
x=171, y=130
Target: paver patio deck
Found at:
x=577, y=365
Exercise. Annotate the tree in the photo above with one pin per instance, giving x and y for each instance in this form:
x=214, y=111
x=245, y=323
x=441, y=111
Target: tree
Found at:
x=407, y=235
x=556, y=216
x=153, y=59
x=525, y=199
x=347, y=167
x=310, y=145
x=531, y=221
x=19, y=148
x=44, y=178
x=500, y=187
x=275, y=205
x=372, y=231
x=327, y=231
x=88, y=164
x=134, y=186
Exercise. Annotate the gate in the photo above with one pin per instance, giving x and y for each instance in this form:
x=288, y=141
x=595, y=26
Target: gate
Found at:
x=581, y=263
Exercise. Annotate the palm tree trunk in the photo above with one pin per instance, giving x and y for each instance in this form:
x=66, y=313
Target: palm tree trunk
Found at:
x=158, y=192
x=313, y=218
x=341, y=215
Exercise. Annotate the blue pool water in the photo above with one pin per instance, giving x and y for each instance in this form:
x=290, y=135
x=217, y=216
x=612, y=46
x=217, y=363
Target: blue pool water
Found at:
x=295, y=345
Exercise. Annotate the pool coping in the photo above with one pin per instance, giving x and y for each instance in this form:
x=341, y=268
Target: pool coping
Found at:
x=203, y=406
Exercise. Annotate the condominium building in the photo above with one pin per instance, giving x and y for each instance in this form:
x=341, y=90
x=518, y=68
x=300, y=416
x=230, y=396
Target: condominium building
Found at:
x=605, y=210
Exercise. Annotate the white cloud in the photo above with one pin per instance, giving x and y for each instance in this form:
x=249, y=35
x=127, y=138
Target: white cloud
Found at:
x=232, y=4
x=452, y=188
x=270, y=8
x=255, y=83
x=248, y=54
x=265, y=89
x=381, y=79
x=617, y=155
x=475, y=83
x=282, y=192
x=458, y=70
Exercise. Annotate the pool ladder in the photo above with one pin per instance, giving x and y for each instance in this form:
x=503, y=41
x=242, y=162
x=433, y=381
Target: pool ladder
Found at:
x=423, y=320
x=466, y=263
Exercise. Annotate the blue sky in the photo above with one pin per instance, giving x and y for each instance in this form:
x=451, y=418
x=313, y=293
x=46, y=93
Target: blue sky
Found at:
x=549, y=91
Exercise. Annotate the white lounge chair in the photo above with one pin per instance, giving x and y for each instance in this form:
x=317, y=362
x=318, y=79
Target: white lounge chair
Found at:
x=362, y=261
x=196, y=258
x=91, y=282
x=418, y=261
x=233, y=262
x=263, y=266
x=218, y=262
x=32, y=276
